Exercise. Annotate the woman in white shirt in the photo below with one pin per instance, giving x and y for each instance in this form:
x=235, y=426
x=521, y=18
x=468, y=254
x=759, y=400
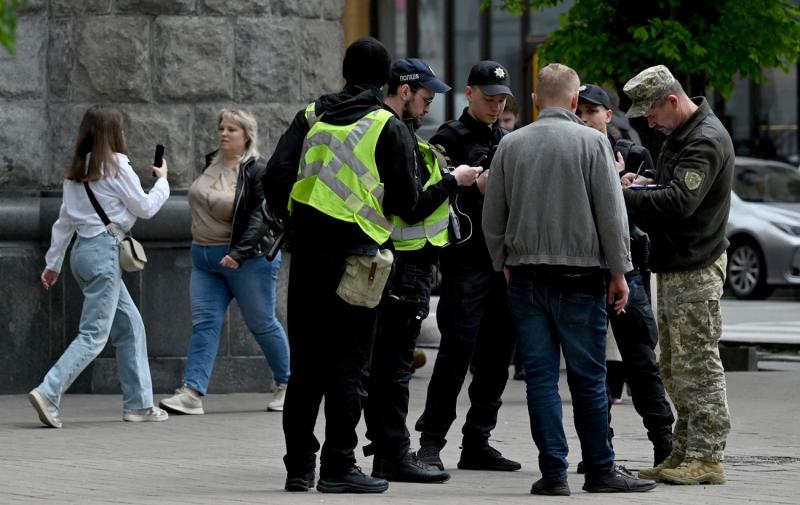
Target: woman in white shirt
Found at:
x=101, y=160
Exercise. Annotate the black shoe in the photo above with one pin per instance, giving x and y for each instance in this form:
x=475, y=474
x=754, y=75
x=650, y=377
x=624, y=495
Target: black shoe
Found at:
x=300, y=482
x=351, y=481
x=519, y=374
x=550, y=487
x=618, y=481
x=429, y=455
x=486, y=458
x=409, y=469
x=581, y=469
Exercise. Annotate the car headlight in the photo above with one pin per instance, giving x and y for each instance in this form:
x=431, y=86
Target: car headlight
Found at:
x=787, y=228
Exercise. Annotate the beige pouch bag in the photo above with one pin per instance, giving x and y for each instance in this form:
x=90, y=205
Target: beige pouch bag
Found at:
x=364, y=279
x=131, y=254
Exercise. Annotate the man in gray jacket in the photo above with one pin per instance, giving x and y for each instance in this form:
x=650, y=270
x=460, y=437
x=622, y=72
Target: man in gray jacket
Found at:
x=555, y=222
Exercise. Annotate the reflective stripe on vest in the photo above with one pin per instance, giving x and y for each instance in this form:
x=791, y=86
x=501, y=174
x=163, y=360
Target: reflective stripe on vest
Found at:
x=311, y=114
x=432, y=229
x=333, y=163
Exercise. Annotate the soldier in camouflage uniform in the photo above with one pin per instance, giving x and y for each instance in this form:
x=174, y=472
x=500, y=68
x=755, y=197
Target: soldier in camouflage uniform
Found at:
x=685, y=217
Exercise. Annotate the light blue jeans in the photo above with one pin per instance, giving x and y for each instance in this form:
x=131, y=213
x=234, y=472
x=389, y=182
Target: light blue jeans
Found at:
x=212, y=288
x=108, y=312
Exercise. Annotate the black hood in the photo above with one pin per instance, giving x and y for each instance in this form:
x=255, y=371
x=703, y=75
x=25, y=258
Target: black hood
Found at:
x=350, y=104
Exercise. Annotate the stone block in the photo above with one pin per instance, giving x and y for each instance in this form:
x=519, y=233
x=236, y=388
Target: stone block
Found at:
x=165, y=305
x=205, y=134
x=166, y=374
x=156, y=7
x=22, y=74
x=236, y=7
x=314, y=9
x=268, y=60
x=273, y=120
x=170, y=125
x=63, y=135
x=83, y=7
x=194, y=59
x=322, y=52
x=59, y=60
x=233, y=375
x=33, y=7
x=739, y=358
x=112, y=59
x=24, y=320
x=25, y=146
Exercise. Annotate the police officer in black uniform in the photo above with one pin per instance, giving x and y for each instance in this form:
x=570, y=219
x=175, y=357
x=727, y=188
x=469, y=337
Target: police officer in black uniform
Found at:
x=473, y=312
x=635, y=330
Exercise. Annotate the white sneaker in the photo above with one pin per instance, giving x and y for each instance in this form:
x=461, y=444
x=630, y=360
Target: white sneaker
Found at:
x=278, y=397
x=142, y=415
x=184, y=401
x=48, y=413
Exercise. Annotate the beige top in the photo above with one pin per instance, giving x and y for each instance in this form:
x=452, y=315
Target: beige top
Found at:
x=211, y=200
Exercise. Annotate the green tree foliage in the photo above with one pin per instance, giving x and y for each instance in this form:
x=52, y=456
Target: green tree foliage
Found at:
x=703, y=42
x=8, y=23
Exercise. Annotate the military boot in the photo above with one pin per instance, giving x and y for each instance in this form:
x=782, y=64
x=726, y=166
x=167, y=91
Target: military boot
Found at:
x=695, y=471
x=655, y=473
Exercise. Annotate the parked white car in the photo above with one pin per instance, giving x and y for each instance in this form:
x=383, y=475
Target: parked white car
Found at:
x=763, y=228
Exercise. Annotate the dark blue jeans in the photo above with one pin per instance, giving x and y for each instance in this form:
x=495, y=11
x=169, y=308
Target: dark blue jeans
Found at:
x=549, y=319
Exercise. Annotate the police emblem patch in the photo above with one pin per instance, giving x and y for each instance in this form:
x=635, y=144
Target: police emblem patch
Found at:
x=692, y=179
x=499, y=73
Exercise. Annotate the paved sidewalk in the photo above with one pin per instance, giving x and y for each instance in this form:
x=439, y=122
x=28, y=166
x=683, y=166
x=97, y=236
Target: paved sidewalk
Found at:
x=233, y=453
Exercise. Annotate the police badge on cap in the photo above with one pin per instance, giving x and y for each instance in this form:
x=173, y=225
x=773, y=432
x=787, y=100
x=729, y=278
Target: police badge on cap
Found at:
x=491, y=77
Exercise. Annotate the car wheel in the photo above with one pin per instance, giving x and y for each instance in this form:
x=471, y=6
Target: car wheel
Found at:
x=747, y=271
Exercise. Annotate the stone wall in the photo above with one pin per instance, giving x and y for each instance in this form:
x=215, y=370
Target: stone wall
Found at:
x=169, y=66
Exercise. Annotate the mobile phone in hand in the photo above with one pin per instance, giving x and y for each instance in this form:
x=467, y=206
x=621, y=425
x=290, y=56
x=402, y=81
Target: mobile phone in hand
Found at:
x=158, y=159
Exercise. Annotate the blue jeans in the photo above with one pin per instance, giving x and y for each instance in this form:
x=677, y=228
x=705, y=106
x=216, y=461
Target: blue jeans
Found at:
x=549, y=318
x=212, y=288
x=108, y=312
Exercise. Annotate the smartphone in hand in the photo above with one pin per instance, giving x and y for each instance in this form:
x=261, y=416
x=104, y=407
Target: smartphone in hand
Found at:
x=158, y=159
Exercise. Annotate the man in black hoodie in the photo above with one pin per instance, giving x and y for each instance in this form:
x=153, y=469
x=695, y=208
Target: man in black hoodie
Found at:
x=331, y=340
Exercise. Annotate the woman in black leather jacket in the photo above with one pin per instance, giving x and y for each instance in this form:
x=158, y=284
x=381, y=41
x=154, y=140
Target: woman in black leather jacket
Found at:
x=228, y=262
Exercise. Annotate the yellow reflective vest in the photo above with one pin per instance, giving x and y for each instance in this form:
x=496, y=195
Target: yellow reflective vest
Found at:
x=433, y=229
x=338, y=175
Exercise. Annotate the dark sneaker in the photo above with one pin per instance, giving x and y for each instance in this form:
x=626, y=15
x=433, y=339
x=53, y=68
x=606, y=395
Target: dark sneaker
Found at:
x=300, y=482
x=550, y=487
x=429, y=455
x=486, y=458
x=409, y=469
x=618, y=481
x=581, y=469
x=351, y=481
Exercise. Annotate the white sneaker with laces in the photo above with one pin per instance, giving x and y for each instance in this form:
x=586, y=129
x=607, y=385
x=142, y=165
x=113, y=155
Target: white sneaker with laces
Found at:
x=278, y=397
x=48, y=413
x=184, y=401
x=142, y=415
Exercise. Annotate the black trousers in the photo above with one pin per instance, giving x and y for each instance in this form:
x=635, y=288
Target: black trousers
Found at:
x=330, y=343
x=405, y=304
x=474, y=319
x=636, y=334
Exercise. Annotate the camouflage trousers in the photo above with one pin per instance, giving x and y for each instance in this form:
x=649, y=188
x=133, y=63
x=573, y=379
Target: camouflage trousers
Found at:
x=690, y=325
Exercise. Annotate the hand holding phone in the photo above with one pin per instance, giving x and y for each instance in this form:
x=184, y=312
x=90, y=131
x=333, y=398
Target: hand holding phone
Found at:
x=158, y=159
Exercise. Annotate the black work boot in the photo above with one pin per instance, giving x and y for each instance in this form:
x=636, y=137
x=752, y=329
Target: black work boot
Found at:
x=550, y=487
x=351, y=480
x=429, y=454
x=408, y=469
x=485, y=458
x=300, y=482
x=618, y=481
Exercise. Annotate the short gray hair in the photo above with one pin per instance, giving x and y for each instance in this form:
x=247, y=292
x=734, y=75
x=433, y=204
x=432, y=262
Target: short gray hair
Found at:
x=557, y=84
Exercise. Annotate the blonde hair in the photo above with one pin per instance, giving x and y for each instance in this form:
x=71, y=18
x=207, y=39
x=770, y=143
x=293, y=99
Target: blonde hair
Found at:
x=246, y=122
x=557, y=84
x=100, y=135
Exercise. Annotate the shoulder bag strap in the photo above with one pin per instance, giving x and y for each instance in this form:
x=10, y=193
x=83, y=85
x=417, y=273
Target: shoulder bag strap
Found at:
x=96, y=204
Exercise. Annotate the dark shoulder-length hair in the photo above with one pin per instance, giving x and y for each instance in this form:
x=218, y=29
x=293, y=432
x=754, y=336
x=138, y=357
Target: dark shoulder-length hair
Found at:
x=100, y=135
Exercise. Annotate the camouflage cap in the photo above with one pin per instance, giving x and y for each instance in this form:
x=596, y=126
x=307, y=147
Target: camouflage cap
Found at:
x=647, y=88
